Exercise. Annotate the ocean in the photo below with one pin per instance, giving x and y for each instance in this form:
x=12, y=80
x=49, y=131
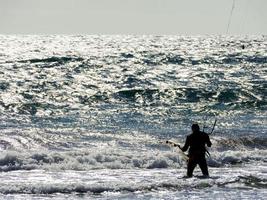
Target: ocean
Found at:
x=86, y=116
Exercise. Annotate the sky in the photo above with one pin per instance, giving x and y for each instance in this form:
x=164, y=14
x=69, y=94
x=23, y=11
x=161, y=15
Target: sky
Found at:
x=184, y=17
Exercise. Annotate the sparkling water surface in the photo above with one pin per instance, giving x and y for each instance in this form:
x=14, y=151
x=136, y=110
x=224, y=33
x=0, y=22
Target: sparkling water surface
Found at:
x=84, y=116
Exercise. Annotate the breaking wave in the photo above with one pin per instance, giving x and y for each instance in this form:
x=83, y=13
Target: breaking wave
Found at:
x=248, y=181
x=224, y=152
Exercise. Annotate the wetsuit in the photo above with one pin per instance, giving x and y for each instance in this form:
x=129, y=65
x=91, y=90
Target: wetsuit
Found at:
x=196, y=143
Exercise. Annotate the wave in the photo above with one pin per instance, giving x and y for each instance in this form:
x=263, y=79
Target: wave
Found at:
x=88, y=160
x=37, y=149
x=245, y=142
x=167, y=58
x=199, y=100
x=149, y=59
x=133, y=94
x=76, y=160
x=57, y=60
x=235, y=98
x=99, y=188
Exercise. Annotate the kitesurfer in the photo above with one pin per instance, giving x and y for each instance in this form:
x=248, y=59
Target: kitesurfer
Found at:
x=196, y=142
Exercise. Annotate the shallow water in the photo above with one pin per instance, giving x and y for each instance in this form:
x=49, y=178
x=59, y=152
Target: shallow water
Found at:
x=84, y=116
x=135, y=184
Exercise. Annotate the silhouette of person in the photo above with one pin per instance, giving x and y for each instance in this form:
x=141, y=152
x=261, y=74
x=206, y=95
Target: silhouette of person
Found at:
x=196, y=143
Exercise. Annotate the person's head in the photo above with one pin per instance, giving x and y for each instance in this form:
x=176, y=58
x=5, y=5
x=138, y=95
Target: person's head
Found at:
x=195, y=128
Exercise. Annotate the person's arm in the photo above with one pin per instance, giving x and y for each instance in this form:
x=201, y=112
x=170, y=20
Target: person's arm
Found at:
x=208, y=141
x=185, y=147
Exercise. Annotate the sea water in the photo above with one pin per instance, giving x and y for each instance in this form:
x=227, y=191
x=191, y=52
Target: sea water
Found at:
x=84, y=116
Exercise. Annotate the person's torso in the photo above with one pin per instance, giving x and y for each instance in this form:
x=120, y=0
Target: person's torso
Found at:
x=197, y=143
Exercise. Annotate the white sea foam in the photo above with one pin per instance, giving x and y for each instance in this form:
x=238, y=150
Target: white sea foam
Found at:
x=118, y=182
x=111, y=158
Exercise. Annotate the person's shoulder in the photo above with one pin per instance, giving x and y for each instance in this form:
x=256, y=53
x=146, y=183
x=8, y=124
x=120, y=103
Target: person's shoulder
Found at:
x=189, y=136
x=206, y=134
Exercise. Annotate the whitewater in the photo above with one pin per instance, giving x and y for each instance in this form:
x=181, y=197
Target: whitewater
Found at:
x=86, y=116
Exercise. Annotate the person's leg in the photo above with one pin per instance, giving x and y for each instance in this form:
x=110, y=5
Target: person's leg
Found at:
x=203, y=166
x=191, y=166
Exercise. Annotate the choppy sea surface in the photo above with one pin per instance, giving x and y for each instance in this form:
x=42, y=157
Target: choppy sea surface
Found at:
x=84, y=116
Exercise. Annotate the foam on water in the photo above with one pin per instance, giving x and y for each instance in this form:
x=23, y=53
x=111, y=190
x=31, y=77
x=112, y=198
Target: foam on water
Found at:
x=123, y=152
x=133, y=183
